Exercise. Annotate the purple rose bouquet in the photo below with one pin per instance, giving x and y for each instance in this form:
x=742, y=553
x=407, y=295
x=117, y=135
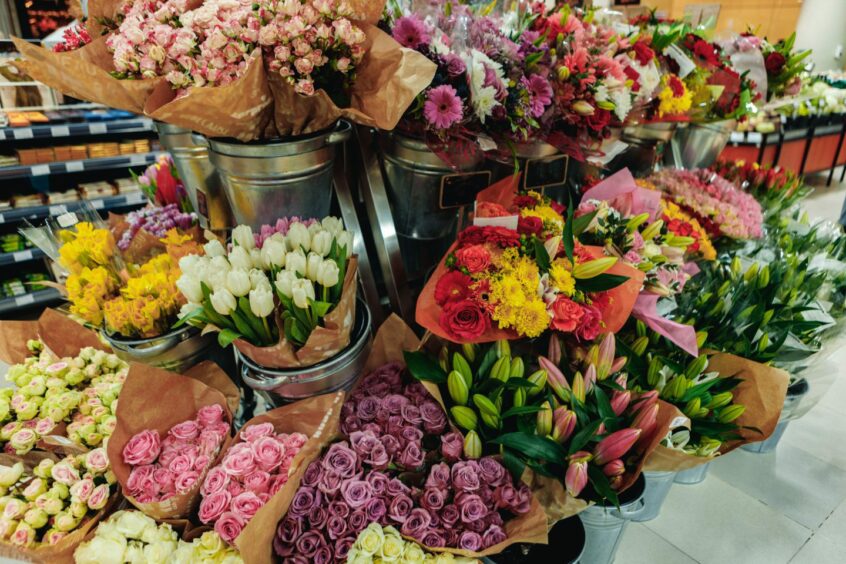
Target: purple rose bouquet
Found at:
x=401, y=467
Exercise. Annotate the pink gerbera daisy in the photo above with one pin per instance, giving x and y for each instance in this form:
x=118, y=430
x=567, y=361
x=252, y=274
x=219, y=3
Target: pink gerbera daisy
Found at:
x=540, y=94
x=411, y=32
x=443, y=107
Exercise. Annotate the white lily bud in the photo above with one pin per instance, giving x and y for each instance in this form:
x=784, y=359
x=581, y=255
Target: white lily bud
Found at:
x=302, y=290
x=298, y=237
x=332, y=224
x=321, y=243
x=190, y=288
x=240, y=258
x=296, y=262
x=258, y=261
x=261, y=302
x=273, y=253
x=238, y=282
x=223, y=301
x=313, y=265
x=284, y=281
x=214, y=248
x=243, y=237
x=345, y=239
x=328, y=273
x=188, y=308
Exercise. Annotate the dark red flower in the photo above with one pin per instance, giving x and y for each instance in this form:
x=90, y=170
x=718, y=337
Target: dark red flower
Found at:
x=634, y=76
x=453, y=286
x=530, y=225
x=465, y=320
x=676, y=85
x=499, y=236
x=774, y=62
x=599, y=120
x=643, y=52
x=523, y=201
x=166, y=187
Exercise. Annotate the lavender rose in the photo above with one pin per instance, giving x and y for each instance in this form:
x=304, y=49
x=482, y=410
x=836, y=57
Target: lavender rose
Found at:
x=494, y=535
x=465, y=476
x=356, y=493
x=452, y=446
x=439, y=477
x=392, y=444
x=378, y=457
x=492, y=472
x=330, y=482
x=434, y=419
x=394, y=403
x=433, y=539
x=363, y=442
x=342, y=548
x=412, y=456
x=309, y=542
x=317, y=517
x=450, y=515
x=470, y=541
x=472, y=508
x=433, y=499
x=340, y=509
x=367, y=408
x=303, y=501
x=340, y=458
x=396, y=487
x=411, y=413
x=336, y=527
x=400, y=507
x=416, y=523
x=376, y=509
x=411, y=434
x=357, y=521
x=378, y=481
x=311, y=477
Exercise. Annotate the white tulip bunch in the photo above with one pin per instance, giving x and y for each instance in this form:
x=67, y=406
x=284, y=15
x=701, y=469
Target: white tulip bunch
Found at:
x=234, y=290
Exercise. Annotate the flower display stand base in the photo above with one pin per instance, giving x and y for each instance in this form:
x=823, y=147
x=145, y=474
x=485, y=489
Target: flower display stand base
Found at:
x=699, y=145
x=605, y=524
x=658, y=485
x=692, y=476
x=278, y=387
x=566, y=546
x=795, y=393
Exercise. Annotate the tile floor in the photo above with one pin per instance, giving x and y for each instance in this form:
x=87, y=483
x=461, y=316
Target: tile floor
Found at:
x=788, y=506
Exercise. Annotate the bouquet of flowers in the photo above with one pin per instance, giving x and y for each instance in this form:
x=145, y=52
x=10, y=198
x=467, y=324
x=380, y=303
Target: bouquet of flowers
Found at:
x=681, y=223
x=312, y=277
x=776, y=188
x=719, y=206
x=385, y=544
x=73, y=37
x=208, y=546
x=53, y=503
x=81, y=392
x=526, y=279
x=252, y=470
x=161, y=184
x=156, y=221
x=128, y=536
x=784, y=65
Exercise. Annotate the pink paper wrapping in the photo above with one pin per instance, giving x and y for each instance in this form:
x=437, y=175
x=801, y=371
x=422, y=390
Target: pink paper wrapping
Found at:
x=684, y=336
x=621, y=191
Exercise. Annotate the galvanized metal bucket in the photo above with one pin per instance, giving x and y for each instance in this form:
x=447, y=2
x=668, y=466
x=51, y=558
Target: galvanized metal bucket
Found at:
x=693, y=475
x=281, y=386
x=605, y=524
x=198, y=175
x=699, y=145
x=566, y=546
x=544, y=168
x=795, y=393
x=646, y=142
x=658, y=485
x=269, y=179
x=175, y=351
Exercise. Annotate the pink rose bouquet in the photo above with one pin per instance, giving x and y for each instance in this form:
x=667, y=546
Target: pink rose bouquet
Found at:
x=162, y=468
x=250, y=473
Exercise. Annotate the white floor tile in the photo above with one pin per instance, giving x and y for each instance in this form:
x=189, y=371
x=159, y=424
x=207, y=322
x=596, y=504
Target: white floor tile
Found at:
x=713, y=522
x=790, y=480
x=835, y=526
x=821, y=432
x=821, y=550
x=642, y=546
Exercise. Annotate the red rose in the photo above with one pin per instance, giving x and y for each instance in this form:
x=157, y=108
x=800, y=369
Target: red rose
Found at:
x=525, y=202
x=453, y=286
x=474, y=258
x=499, y=236
x=473, y=235
x=465, y=320
x=529, y=225
x=590, y=325
x=643, y=53
x=775, y=63
x=565, y=314
x=599, y=120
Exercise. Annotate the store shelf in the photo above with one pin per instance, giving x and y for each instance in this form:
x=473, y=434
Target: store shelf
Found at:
x=37, y=298
x=17, y=257
x=123, y=161
x=131, y=125
x=107, y=203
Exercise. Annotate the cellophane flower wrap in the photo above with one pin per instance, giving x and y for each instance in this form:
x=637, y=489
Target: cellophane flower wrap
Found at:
x=71, y=398
x=400, y=464
x=519, y=273
x=160, y=455
x=286, y=296
x=50, y=504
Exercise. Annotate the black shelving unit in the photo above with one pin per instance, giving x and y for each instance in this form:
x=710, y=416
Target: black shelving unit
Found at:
x=93, y=128
x=44, y=297
x=63, y=167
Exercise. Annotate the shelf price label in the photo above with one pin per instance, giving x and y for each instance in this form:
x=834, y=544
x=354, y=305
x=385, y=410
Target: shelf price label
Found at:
x=137, y=160
x=60, y=131
x=75, y=166
x=39, y=170
x=97, y=128
x=58, y=210
x=23, y=133
x=22, y=256
x=98, y=204
x=136, y=198
x=26, y=299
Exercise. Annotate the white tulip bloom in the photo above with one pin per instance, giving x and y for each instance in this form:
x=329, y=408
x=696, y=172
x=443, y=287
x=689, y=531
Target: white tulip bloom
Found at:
x=284, y=282
x=313, y=265
x=328, y=273
x=261, y=302
x=258, y=278
x=321, y=243
x=345, y=239
x=298, y=237
x=243, y=237
x=188, y=264
x=223, y=301
x=302, y=290
x=240, y=258
x=256, y=258
x=214, y=248
x=296, y=262
x=190, y=288
x=219, y=264
x=273, y=253
x=238, y=282
x=314, y=228
x=332, y=224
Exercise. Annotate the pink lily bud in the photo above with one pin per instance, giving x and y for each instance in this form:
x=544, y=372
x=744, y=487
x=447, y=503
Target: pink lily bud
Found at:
x=555, y=378
x=605, y=357
x=621, y=380
x=554, y=351
x=614, y=468
x=619, y=363
x=590, y=378
x=645, y=400
x=615, y=445
x=620, y=401
x=600, y=430
x=564, y=423
x=576, y=477
x=646, y=419
x=592, y=356
x=579, y=387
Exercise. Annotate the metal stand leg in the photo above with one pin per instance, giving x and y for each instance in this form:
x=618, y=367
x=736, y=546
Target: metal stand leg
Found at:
x=347, y=204
x=837, y=154
x=375, y=196
x=762, y=149
x=809, y=140
x=779, y=146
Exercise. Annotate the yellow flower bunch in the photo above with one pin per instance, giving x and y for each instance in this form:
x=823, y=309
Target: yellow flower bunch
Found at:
x=148, y=302
x=669, y=102
x=180, y=245
x=552, y=220
x=87, y=247
x=561, y=277
x=377, y=544
x=514, y=292
x=88, y=290
x=670, y=211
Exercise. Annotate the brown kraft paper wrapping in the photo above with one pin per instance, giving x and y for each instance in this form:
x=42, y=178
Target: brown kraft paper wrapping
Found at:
x=387, y=81
x=242, y=109
x=177, y=399
x=394, y=337
x=318, y=419
x=324, y=342
x=213, y=376
x=762, y=392
x=13, y=338
x=84, y=74
x=61, y=552
x=60, y=334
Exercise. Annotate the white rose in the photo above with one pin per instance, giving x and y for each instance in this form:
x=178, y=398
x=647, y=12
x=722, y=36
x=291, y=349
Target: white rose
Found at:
x=159, y=552
x=132, y=523
x=240, y=258
x=238, y=282
x=101, y=551
x=243, y=237
x=214, y=248
x=134, y=553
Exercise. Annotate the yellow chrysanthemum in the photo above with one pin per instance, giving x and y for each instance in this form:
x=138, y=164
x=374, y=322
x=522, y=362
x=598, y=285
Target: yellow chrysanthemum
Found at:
x=532, y=319
x=669, y=103
x=562, y=278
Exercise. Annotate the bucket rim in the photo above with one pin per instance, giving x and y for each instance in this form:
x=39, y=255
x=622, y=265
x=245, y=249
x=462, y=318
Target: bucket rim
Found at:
x=294, y=144
x=190, y=330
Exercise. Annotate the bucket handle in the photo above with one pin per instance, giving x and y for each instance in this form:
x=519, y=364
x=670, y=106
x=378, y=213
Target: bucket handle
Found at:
x=628, y=514
x=200, y=140
x=262, y=385
x=342, y=132
x=146, y=352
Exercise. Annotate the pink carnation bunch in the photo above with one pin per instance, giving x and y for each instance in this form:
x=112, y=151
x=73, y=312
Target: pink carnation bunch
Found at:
x=251, y=472
x=164, y=468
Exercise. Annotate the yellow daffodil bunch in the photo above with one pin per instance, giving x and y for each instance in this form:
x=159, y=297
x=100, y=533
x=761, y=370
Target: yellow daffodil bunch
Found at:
x=87, y=247
x=88, y=290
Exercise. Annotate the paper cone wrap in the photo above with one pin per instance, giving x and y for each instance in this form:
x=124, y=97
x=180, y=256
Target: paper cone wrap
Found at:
x=60, y=334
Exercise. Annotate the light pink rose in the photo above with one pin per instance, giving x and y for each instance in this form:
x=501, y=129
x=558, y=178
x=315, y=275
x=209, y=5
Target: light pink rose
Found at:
x=246, y=505
x=229, y=526
x=143, y=448
x=44, y=426
x=213, y=506
x=192, y=451
x=234, y=488
x=253, y=432
x=239, y=462
x=185, y=431
x=180, y=464
x=268, y=453
x=164, y=478
x=99, y=497
x=97, y=460
x=216, y=480
x=186, y=480
x=277, y=483
x=296, y=440
x=82, y=489
x=138, y=477
x=201, y=462
x=210, y=415
x=64, y=474
x=257, y=482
